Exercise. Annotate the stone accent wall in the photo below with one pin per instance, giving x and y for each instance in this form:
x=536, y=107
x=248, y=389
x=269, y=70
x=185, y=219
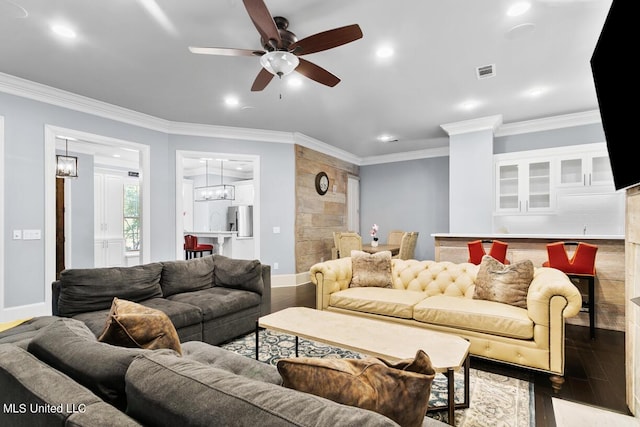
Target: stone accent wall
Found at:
x=317, y=217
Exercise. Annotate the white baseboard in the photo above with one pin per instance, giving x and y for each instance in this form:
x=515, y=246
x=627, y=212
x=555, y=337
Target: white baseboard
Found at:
x=284, y=280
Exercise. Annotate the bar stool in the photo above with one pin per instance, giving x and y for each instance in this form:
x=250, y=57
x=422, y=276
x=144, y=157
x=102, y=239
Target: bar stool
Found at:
x=498, y=251
x=192, y=248
x=581, y=266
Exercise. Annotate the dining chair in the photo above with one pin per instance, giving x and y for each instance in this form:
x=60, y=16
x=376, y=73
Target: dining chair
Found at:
x=497, y=251
x=192, y=248
x=348, y=242
x=395, y=237
x=408, y=245
x=581, y=266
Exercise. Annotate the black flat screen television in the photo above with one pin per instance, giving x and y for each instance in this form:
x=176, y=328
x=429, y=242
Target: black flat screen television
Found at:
x=616, y=81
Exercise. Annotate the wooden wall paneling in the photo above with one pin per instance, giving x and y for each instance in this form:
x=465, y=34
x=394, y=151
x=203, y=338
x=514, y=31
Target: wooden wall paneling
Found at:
x=317, y=217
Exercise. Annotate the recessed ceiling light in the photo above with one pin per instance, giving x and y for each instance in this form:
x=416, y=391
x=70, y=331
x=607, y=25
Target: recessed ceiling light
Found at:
x=386, y=138
x=63, y=31
x=535, y=92
x=232, y=101
x=115, y=155
x=384, y=52
x=519, y=8
x=469, y=105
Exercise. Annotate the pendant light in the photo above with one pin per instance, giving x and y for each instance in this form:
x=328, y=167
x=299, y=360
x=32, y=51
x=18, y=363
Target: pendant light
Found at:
x=66, y=166
x=214, y=192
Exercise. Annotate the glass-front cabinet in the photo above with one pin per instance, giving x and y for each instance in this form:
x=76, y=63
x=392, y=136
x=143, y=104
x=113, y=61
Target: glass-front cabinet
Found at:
x=524, y=186
x=585, y=170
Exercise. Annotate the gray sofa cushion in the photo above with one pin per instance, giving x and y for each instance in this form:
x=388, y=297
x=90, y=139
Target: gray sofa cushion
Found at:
x=186, y=276
x=91, y=289
x=26, y=381
x=161, y=388
x=238, y=273
x=70, y=347
x=21, y=335
x=218, y=302
x=229, y=361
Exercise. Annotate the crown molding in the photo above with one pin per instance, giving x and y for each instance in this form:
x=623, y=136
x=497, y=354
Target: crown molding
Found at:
x=325, y=148
x=550, y=123
x=408, y=155
x=50, y=95
x=229, y=132
x=473, y=125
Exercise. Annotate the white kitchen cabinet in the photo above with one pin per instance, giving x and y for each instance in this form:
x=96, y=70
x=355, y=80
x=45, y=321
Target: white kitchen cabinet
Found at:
x=524, y=186
x=108, y=220
x=585, y=169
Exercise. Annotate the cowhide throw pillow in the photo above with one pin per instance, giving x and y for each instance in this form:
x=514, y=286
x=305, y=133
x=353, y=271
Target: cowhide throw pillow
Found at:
x=133, y=325
x=400, y=393
x=508, y=284
x=370, y=269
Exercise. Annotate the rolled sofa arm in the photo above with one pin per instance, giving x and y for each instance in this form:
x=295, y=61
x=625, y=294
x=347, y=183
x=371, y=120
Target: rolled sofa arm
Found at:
x=329, y=277
x=549, y=284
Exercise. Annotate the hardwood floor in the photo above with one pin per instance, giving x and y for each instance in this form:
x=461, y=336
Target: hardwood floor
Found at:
x=594, y=369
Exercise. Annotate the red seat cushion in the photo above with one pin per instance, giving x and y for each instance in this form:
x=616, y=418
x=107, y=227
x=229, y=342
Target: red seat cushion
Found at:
x=583, y=260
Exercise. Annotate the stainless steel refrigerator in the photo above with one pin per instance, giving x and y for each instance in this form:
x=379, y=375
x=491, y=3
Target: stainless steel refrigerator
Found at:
x=240, y=219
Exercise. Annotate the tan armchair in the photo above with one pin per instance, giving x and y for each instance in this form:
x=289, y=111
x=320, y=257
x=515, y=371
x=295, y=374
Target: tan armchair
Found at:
x=408, y=245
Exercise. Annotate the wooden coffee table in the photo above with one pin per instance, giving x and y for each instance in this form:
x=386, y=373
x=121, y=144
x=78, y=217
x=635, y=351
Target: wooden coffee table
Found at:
x=377, y=338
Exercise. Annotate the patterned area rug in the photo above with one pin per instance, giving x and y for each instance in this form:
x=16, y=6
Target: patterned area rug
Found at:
x=495, y=400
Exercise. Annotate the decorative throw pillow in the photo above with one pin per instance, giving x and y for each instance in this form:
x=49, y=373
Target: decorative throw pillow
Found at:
x=508, y=284
x=370, y=269
x=367, y=383
x=133, y=325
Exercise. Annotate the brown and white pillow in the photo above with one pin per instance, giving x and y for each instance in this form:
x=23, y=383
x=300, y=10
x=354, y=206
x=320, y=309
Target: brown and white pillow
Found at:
x=133, y=325
x=371, y=269
x=508, y=284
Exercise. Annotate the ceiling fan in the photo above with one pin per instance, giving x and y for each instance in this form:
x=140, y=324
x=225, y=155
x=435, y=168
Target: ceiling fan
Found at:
x=282, y=49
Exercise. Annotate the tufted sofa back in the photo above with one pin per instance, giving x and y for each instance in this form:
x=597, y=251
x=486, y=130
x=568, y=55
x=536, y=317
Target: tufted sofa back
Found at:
x=434, y=278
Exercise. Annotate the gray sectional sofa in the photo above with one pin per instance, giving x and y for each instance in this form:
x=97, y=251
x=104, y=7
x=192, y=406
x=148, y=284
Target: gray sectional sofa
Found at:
x=211, y=299
x=66, y=377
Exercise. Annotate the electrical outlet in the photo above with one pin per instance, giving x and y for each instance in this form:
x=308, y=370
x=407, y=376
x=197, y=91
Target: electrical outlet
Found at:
x=276, y=230
x=275, y=265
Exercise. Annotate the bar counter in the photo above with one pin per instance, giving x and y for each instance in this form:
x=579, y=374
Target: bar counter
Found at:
x=610, y=272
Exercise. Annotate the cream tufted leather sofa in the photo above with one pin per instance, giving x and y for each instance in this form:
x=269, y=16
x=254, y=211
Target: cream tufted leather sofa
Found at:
x=439, y=296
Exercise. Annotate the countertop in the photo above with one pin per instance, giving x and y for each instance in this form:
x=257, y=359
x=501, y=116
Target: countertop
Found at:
x=210, y=233
x=499, y=236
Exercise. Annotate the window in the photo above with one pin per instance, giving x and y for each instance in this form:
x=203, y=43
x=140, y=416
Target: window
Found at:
x=132, y=216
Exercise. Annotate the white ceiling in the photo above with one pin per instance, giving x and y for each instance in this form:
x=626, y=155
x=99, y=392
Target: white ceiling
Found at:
x=126, y=56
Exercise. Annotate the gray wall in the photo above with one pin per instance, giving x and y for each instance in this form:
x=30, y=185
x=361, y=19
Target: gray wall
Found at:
x=411, y=196
x=25, y=120
x=577, y=135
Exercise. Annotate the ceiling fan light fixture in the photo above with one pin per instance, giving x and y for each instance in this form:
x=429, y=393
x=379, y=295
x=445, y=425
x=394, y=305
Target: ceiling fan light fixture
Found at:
x=279, y=63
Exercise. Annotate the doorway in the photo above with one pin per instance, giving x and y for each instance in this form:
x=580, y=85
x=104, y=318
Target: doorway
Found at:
x=89, y=144
x=209, y=219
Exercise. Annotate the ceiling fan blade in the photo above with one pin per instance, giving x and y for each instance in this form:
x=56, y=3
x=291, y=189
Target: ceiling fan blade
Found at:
x=261, y=81
x=314, y=72
x=225, y=51
x=327, y=40
x=264, y=23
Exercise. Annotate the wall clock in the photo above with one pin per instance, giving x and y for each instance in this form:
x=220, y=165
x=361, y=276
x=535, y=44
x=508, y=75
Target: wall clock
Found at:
x=322, y=183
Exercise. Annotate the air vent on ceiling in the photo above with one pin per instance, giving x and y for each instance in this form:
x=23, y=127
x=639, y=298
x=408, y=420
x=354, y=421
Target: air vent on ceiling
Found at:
x=486, y=71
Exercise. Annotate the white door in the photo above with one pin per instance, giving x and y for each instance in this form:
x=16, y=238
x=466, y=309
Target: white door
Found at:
x=187, y=205
x=353, y=203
